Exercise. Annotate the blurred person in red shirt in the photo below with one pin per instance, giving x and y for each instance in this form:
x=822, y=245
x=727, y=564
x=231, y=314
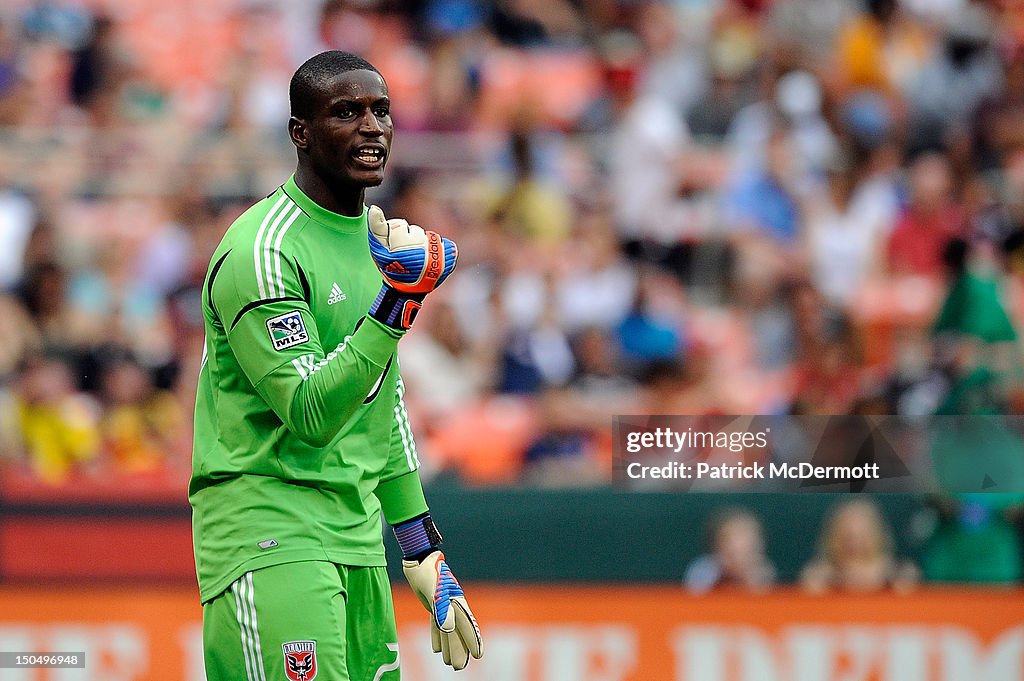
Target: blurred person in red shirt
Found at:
x=929, y=222
x=829, y=367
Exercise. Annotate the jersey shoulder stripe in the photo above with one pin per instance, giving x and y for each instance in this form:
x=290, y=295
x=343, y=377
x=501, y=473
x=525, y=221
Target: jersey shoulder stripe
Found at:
x=266, y=248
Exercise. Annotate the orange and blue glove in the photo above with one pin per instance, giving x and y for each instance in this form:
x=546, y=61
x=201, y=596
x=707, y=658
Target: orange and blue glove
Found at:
x=413, y=263
x=453, y=629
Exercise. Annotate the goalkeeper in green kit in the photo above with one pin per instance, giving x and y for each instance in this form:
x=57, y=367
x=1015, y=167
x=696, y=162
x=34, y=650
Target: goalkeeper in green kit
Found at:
x=302, y=439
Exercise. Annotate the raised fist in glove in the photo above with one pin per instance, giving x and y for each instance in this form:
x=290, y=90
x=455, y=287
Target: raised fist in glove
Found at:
x=453, y=629
x=413, y=263
x=410, y=259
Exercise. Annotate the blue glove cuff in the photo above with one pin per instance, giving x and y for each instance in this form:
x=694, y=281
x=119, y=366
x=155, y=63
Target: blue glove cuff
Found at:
x=417, y=537
x=396, y=309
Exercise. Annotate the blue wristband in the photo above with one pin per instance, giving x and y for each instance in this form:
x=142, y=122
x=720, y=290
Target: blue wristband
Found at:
x=396, y=309
x=417, y=537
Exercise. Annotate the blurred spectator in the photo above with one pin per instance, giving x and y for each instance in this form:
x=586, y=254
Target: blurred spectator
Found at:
x=809, y=27
x=572, y=448
x=534, y=22
x=882, y=49
x=976, y=539
x=140, y=423
x=349, y=26
x=98, y=71
x=454, y=88
x=675, y=68
x=855, y=553
x=444, y=372
x=961, y=74
x=645, y=173
x=536, y=356
x=257, y=79
x=652, y=331
x=163, y=260
x=619, y=56
x=45, y=297
x=530, y=208
x=828, y=377
x=877, y=193
x=575, y=447
x=973, y=306
x=845, y=236
x=58, y=427
x=18, y=216
x=763, y=199
x=598, y=379
x=736, y=556
x=59, y=22
x=929, y=222
x=997, y=125
x=726, y=93
x=19, y=337
x=595, y=286
x=12, y=80
x=119, y=311
x=791, y=105
x=735, y=45
x=765, y=289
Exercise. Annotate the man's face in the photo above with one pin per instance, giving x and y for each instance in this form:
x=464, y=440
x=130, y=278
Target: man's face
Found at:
x=350, y=131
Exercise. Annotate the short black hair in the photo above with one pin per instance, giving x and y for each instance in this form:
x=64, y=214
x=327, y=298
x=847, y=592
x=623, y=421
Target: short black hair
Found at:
x=309, y=80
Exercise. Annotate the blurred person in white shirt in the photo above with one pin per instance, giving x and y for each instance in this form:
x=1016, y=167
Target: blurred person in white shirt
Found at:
x=645, y=152
x=846, y=226
x=18, y=216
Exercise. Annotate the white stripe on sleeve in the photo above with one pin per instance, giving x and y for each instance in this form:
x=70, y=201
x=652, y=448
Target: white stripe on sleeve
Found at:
x=256, y=247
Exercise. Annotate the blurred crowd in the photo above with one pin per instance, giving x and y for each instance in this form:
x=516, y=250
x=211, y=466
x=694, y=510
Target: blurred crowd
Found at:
x=856, y=549
x=676, y=206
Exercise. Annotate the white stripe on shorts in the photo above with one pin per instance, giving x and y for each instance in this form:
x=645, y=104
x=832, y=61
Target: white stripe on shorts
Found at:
x=245, y=609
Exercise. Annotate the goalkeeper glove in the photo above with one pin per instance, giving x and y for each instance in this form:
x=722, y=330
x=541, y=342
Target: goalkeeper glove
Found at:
x=413, y=263
x=453, y=629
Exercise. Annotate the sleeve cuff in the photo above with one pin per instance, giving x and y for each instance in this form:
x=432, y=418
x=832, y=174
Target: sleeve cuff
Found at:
x=401, y=498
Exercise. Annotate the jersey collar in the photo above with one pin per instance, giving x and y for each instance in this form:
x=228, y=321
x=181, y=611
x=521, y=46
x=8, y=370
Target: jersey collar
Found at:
x=342, y=223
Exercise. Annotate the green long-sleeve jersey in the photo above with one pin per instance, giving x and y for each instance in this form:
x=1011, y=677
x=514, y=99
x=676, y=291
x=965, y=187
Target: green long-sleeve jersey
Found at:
x=301, y=434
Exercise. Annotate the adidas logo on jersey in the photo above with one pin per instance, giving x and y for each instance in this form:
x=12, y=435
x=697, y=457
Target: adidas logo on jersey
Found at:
x=396, y=267
x=337, y=295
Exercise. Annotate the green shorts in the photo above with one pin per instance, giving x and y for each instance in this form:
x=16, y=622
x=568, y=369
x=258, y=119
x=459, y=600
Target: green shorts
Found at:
x=300, y=622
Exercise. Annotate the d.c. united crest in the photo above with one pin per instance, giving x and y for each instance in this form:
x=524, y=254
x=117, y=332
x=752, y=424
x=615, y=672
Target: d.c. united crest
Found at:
x=300, y=660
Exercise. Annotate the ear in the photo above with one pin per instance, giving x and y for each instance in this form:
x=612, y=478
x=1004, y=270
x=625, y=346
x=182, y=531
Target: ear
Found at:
x=298, y=131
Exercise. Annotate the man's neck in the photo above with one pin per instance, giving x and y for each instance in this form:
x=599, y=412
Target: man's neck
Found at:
x=341, y=200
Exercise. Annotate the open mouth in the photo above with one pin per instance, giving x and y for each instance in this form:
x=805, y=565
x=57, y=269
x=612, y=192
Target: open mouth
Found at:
x=370, y=155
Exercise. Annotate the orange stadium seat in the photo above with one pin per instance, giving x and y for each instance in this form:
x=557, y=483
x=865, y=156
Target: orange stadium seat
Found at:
x=557, y=84
x=486, y=442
